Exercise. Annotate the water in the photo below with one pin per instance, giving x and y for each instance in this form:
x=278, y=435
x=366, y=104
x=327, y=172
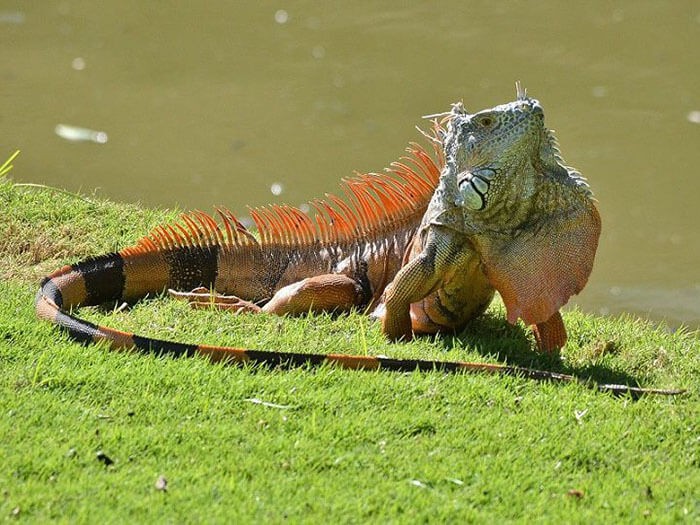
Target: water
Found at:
x=216, y=103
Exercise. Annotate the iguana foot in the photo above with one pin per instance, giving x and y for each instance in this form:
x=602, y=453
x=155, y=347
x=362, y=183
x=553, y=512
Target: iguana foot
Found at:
x=205, y=298
x=395, y=328
x=550, y=335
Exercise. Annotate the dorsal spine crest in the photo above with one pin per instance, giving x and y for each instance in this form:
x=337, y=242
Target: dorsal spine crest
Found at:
x=374, y=203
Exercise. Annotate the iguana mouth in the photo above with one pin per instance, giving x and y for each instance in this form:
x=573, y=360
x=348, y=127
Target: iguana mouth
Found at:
x=474, y=186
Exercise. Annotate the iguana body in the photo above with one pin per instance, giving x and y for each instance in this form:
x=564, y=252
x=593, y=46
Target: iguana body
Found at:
x=506, y=215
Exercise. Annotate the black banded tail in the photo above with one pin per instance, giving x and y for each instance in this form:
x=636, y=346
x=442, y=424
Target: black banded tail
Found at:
x=103, y=279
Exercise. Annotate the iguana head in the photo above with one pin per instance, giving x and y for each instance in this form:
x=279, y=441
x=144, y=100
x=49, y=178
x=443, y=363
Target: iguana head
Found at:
x=531, y=218
x=498, y=156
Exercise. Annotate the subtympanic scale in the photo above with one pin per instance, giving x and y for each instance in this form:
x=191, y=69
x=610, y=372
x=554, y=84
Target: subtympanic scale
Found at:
x=473, y=187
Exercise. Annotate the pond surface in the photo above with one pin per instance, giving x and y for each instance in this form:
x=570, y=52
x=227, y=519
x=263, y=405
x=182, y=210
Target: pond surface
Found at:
x=210, y=103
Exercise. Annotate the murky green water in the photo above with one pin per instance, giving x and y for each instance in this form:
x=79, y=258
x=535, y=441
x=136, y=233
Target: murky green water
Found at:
x=218, y=103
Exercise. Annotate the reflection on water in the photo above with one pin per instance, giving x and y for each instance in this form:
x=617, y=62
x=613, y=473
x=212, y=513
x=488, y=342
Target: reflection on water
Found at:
x=76, y=134
x=219, y=103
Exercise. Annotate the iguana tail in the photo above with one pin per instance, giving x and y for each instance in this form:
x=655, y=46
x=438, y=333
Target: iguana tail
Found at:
x=104, y=278
x=98, y=280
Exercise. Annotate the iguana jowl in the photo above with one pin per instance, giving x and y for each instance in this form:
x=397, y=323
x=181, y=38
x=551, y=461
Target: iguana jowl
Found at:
x=506, y=215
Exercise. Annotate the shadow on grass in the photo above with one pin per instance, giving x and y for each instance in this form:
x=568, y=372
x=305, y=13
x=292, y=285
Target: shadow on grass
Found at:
x=491, y=336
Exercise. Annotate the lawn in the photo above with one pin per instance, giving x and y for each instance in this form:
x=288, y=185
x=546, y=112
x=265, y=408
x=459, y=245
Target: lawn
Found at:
x=90, y=435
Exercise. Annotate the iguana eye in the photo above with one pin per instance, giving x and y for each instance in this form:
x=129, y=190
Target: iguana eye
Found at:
x=485, y=122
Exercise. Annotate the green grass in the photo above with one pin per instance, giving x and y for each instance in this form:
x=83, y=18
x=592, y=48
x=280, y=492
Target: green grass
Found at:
x=334, y=444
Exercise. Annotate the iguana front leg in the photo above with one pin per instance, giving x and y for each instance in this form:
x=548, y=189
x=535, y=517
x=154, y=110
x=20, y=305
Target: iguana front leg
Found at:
x=438, y=288
x=413, y=282
x=322, y=293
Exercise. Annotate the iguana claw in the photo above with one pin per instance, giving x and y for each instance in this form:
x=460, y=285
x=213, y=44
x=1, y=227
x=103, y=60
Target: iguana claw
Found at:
x=204, y=298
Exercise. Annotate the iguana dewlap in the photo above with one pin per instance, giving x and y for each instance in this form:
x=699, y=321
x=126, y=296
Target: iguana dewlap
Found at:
x=506, y=216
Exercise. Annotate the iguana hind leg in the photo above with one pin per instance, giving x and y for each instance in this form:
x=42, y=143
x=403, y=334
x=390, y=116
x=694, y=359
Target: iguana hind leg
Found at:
x=322, y=293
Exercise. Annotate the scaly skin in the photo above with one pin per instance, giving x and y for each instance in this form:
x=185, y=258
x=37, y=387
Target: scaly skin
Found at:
x=506, y=215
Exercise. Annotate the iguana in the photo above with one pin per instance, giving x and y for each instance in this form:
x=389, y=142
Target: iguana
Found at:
x=507, y=215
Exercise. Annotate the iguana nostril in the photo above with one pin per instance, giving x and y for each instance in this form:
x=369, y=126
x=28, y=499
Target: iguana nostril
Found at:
x=470, y=146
